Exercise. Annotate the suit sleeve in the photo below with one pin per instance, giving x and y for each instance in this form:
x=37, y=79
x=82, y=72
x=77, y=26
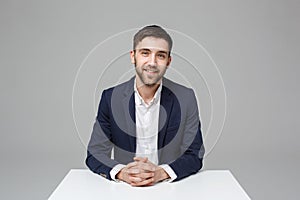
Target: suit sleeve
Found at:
x=191, y=148
x=100, y=146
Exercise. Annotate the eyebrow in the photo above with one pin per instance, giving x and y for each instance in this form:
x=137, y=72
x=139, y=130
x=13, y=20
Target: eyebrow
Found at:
x=145, y=49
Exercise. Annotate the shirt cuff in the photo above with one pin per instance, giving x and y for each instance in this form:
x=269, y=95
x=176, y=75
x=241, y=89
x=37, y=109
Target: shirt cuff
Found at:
x=170, y=172
x=115, y=170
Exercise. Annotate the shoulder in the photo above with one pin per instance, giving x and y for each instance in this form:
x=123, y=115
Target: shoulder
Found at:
x=184, y=96
x=122, y=88
x=177, y=88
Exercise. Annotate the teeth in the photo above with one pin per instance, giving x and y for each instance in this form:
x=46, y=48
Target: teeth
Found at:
x=150, y=70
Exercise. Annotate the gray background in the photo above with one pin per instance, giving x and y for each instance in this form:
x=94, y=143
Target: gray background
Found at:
x=255, y=44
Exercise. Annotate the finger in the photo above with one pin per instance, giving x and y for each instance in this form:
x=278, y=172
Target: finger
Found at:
x=143, y=183
x=150, y=184
x=145, y=175
x=143, y=167
x=141, y=159
x=133, y=171
x=132, y=164
x=148, y=167
x=134, y=179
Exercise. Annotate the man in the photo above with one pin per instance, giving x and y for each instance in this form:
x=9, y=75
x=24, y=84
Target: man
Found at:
x=151, y=123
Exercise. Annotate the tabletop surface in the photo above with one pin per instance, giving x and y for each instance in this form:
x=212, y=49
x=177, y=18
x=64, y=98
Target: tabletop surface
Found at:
x=208, y=184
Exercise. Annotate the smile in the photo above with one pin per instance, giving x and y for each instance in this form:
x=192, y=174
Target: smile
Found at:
x=151, y=71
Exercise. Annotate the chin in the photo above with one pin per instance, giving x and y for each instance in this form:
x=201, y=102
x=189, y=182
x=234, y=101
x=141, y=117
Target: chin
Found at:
x=150, y=84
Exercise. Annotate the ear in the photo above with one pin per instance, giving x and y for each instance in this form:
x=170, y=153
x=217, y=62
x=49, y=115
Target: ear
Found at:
x=169, y=61
x=132, y=57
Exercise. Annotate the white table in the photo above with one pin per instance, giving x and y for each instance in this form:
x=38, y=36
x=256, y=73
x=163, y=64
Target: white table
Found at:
x=209, y=184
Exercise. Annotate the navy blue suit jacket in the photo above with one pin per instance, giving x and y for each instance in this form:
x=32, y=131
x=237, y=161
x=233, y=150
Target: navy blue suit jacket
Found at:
x=180, y=142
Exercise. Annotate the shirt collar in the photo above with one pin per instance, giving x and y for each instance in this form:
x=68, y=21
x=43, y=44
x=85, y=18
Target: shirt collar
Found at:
x=140, y=100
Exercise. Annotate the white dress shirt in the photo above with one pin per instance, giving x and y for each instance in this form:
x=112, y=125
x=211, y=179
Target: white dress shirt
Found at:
x=147, y=117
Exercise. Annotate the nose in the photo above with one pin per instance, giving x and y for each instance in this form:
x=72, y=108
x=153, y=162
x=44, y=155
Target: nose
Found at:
x=152, y=60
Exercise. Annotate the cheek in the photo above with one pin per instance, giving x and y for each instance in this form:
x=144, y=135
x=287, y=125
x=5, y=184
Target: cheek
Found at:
x=140, y=60
x=163, y=64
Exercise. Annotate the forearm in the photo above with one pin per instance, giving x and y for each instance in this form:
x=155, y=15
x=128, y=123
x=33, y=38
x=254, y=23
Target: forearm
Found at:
x=98, y=167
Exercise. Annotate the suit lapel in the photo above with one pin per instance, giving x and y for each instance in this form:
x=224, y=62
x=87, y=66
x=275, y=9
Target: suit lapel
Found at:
x=129, y=105
x=166, y=103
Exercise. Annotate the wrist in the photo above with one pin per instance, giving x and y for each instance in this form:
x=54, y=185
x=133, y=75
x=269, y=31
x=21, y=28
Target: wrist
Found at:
x=163, y=174
x=119, y=175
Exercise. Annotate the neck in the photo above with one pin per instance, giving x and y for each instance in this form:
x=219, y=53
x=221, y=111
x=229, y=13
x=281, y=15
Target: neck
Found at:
x=147, y=91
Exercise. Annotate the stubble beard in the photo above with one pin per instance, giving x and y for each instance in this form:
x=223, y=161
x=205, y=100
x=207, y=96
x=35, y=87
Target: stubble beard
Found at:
x=153, y=82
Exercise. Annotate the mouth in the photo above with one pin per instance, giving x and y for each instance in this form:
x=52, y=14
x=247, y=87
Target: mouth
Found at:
x=151, y=71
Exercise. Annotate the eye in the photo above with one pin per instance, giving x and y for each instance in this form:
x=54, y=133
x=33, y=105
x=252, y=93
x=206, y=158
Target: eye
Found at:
x=145, y=53
x=161, y=56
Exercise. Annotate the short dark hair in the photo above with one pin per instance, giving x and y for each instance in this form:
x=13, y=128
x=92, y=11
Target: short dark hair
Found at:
x=152, y=31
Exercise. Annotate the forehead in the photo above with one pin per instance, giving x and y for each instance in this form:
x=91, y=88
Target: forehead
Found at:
x=153, y=43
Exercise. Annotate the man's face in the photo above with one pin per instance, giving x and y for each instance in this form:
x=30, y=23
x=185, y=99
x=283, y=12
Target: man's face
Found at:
x=151, y=59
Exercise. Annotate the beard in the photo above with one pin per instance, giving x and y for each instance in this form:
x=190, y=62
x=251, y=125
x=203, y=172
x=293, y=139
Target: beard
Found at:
x=150, y=80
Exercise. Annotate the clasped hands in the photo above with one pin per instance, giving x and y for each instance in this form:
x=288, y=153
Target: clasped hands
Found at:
x=142, y=172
